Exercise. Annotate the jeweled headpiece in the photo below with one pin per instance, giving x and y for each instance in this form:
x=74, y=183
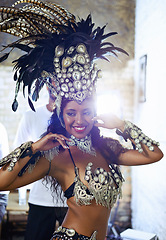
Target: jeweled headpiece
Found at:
x=74, y=76
x=59, y=50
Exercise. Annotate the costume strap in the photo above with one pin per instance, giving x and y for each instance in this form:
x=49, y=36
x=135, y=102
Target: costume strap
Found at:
x=71, y=157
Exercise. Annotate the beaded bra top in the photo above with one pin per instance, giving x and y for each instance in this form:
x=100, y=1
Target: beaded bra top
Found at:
x=103, y=186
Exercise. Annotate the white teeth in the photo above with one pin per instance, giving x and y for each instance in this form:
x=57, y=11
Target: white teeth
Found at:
x=80, y=128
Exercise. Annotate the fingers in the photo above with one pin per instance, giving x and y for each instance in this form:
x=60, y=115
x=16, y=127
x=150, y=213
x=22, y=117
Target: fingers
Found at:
x=109, y=121
x=61, y=139
x=98, y=122
x=62, y=143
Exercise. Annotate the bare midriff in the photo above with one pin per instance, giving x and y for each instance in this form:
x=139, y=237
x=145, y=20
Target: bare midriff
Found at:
x=87, y=219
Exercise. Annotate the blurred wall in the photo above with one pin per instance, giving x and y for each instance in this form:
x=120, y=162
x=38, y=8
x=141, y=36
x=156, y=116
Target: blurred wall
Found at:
x=149, y=182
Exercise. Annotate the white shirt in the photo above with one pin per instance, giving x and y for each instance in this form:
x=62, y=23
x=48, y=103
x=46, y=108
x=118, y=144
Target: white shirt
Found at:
x=4, y=146
x=31, y=127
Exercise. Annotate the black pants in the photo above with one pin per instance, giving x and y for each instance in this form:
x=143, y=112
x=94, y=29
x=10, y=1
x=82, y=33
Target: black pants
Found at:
x=41, y=221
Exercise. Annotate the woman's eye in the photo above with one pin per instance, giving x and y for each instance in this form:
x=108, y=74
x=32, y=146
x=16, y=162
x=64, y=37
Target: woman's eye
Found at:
x=71, y=114
x=87, y=113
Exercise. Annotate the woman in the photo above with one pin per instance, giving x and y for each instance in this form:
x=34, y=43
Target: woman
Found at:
x=88, y=213
x=72, y=151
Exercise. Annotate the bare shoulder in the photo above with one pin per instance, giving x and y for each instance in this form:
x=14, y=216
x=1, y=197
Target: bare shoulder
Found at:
x=60, y=163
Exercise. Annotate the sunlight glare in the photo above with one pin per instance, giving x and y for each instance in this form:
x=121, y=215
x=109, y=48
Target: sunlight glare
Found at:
x=109, y=103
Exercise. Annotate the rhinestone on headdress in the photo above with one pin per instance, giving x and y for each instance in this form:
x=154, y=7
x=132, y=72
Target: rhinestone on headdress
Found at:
x=74, y=78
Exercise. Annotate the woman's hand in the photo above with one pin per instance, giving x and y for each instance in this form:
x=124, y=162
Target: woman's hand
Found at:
x=109, y=121
x=49, y=141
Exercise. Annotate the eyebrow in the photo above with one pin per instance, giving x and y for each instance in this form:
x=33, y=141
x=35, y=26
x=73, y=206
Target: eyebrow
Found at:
x=71, y=109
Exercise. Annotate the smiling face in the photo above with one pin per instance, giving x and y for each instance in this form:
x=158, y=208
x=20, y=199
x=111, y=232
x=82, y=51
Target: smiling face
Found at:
x=78, y=117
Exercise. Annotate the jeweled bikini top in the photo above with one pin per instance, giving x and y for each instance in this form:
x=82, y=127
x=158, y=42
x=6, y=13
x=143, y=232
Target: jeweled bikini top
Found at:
x=103, y=186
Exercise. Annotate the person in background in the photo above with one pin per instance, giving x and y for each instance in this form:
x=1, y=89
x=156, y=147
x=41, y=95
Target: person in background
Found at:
x=42, y=203
x=4, y=150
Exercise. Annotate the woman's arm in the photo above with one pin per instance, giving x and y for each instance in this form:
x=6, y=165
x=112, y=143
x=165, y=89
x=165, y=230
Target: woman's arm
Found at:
x=130, y=157
x=133, y=157
x=9, y=179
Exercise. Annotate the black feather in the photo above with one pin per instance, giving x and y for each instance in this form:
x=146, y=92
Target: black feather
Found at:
x=15, y=76
x=31, y=104
x=108, y=35
x=14, y=105
x=4, y=57
x=22, y=47
x=106, y=43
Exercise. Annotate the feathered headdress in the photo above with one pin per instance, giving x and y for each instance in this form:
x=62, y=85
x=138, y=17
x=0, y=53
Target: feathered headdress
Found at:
x=59, y=50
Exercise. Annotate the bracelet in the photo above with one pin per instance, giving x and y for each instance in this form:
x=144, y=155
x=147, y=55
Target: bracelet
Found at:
x=20, y=152
x=133, y=132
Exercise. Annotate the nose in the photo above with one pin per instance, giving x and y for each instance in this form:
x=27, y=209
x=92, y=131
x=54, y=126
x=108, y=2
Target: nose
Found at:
x=79, y=119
